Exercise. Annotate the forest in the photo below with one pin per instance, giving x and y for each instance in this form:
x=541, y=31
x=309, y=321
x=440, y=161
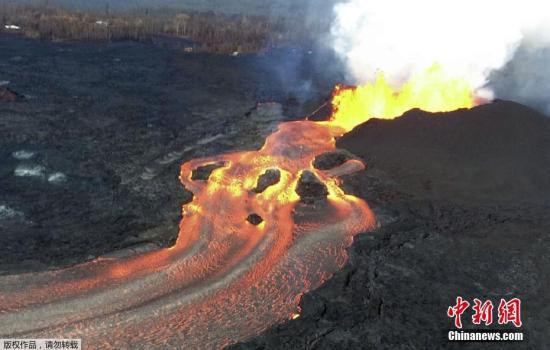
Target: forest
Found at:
x=214, y=32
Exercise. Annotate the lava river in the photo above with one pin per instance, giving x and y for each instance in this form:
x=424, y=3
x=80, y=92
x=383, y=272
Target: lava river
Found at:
x=225, y=279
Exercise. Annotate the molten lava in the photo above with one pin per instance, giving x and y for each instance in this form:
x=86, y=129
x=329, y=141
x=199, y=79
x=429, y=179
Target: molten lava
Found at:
x=431, y=90
x=227, y=278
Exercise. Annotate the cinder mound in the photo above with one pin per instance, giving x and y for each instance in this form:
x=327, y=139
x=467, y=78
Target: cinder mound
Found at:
x=497, y=152
x=203, y=173
x=333, y=159
x=269, y=178
x=310, y=188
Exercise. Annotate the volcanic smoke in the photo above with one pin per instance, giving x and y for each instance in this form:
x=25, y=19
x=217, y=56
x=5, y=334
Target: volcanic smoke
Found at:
x=468, y=39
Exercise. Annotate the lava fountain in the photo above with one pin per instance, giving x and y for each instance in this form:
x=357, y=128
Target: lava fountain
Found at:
x=227, y=278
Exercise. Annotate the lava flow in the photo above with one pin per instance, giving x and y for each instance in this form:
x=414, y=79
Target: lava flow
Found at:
x=226, y=278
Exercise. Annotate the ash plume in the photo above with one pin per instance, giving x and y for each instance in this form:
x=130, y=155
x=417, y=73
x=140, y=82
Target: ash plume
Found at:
x=470, y=39
x=526, y=78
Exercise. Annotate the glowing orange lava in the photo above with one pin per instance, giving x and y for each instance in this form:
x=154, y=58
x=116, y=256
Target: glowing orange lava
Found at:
x=225, y=279
x=432, y=91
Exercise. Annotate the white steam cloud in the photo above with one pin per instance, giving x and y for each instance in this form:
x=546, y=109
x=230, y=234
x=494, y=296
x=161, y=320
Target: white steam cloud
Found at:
x=469, y=38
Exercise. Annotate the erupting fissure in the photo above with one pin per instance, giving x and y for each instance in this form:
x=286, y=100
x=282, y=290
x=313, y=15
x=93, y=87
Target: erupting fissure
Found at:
x=263, y=228
x=432, y=91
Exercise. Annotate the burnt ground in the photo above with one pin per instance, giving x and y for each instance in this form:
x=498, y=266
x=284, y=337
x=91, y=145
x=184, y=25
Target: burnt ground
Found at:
x=463, y=199
x=101, y=129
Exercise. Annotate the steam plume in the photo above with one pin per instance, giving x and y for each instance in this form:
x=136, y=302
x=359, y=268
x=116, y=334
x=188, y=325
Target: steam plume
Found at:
x=469, y=38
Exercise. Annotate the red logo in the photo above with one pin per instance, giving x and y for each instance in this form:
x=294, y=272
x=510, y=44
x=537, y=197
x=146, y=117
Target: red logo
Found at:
x=483, y=312
x=457, y=311
x=508, y=312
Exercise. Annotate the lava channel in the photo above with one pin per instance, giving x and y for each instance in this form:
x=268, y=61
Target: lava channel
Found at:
x=226, y=278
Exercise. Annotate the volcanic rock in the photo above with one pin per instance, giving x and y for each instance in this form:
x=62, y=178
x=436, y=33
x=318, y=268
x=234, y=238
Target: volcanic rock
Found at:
x=187, y=195
x=499, y=151
x=268, y=111
x=254, y=219
x=8, y=95
x=121, y=148
x=330, y=160
x=269, y=178
x=310, y=188
x=203, y=173
x=323, y=112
